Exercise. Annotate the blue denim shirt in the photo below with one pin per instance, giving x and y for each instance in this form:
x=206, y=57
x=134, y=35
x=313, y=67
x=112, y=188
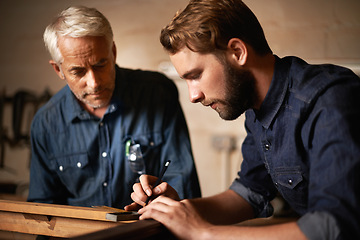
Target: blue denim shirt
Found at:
x=79, y=159
x=304, y=142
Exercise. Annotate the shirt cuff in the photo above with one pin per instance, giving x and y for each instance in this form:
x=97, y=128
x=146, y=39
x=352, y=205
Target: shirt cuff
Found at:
x=319, y=225
x=262, y=207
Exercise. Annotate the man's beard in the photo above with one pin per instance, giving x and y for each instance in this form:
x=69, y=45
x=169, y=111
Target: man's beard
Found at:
x=240, y=93
x=94, y=103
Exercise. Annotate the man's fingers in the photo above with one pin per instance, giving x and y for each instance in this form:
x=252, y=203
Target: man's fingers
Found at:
x=167, y=190
x=139, y=199
x=132, y=207
x=155, y=210
x=151, y=214
x=139, y=191
x=161, y=203
x=146, y=182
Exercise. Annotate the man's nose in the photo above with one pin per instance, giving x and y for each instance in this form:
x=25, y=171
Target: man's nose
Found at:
x=92, y=80
x=195, y=94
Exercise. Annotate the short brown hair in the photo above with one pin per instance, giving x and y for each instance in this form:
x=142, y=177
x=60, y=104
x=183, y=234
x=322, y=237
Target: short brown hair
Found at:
x=206, y=26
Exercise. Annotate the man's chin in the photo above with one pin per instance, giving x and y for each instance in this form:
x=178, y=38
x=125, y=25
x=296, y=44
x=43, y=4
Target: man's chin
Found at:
x=229, y=116
x=97, y=104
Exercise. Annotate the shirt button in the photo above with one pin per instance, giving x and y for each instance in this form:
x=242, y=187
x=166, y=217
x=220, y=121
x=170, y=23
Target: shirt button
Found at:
x=78, y=164
x=61, y=168
x=104, y=154
x=267, y=146
x=105, y=184
x=290, y=181
x=151, y=143
x=101, y=124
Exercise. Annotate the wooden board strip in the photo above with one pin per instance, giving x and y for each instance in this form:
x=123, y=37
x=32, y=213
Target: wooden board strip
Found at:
x=97, y=213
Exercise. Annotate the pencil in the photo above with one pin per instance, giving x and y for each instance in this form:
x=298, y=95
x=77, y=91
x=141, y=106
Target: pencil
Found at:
x=159, y=179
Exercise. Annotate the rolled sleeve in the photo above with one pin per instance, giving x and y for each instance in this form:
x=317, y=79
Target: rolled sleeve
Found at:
x=262, y=207
x=319, y=225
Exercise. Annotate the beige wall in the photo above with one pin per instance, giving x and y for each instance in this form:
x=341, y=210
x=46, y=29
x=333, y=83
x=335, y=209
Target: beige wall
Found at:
x=316, y=30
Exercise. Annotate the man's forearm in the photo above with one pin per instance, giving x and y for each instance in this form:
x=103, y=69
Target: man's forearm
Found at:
x=282, y=231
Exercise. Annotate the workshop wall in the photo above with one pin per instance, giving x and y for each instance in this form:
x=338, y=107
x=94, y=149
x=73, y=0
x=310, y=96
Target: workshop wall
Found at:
x=316, y=30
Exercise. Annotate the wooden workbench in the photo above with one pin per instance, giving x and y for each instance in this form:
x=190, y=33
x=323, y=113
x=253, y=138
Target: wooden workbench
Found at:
x=59, y=220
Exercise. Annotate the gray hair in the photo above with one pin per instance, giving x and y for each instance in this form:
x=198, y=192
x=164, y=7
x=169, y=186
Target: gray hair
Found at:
x=76, y=21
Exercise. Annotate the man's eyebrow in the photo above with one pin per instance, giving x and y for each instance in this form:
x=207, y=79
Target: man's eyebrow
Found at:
x=75, y=68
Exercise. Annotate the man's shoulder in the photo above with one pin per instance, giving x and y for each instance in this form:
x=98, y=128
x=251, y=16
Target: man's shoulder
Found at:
x=303, y=72
x=309, y=80
x=52, y=109
x=146, y=78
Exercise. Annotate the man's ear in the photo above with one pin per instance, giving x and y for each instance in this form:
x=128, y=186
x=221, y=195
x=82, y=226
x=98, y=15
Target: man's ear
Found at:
x=238, y=51
x=57, y=69
x=114, y=51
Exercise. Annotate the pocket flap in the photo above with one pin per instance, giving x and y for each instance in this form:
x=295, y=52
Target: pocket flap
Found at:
x=146, y=141
x=289, y=178
x=72, y=161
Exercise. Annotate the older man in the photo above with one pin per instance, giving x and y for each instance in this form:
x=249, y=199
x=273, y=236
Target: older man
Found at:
x=94, y=138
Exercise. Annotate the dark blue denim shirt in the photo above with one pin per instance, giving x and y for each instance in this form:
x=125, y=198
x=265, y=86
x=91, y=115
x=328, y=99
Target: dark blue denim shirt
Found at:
x=304, y=142
x=79, y=159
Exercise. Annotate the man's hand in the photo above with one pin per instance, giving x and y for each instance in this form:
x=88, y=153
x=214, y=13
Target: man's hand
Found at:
x=213, y=218
x=180, y=217
x=143, y=190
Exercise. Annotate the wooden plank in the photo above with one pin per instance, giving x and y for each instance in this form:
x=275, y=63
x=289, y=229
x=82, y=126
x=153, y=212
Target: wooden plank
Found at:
x=51, y=226
x=97, y=213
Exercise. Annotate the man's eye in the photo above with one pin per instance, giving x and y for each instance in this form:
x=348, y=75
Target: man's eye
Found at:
x=78, y=72
x=100, y=66
x=195, y=76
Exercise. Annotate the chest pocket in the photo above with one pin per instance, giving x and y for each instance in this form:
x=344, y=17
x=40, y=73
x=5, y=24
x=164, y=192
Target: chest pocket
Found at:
x=73, y=170
x=292, y=186
x=150, y=146
x=148, y=142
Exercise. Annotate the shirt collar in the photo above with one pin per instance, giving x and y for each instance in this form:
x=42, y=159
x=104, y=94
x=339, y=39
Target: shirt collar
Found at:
x=275, y=95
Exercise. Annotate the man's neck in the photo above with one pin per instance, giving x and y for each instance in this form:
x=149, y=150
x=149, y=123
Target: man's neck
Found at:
x=263, y=69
